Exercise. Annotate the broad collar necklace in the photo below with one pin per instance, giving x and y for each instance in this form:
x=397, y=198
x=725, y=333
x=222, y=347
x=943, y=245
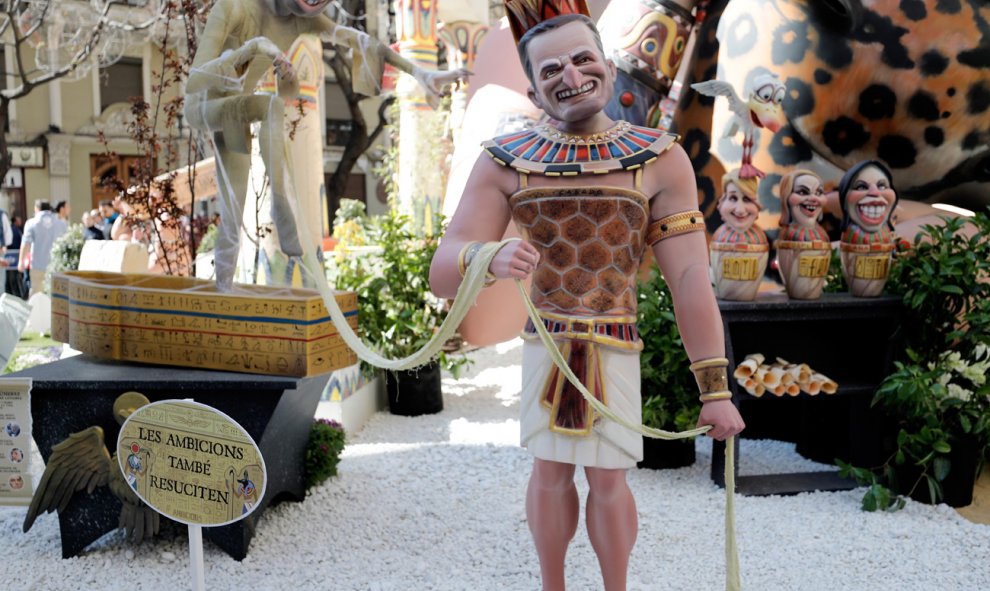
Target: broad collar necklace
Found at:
x=551, y=152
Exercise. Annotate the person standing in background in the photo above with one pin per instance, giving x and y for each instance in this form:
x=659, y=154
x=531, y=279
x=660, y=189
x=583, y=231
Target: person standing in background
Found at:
x=6, y=232
x=6, y=238
x=63, y=211
x=91, y=225
x=40, y=233
x=14, y=280
x=109, y=213
x=17, y=225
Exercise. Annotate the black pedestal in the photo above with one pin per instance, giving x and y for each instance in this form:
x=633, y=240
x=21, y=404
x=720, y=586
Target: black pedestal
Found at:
x=72, y=394
x=852, y=341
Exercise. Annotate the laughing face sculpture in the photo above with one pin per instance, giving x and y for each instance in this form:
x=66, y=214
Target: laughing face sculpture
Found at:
x=803, y=249
x=868, y=198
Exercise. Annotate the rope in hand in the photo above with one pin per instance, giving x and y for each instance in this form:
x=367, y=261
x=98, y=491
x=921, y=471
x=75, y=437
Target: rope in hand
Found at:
x=474, y=280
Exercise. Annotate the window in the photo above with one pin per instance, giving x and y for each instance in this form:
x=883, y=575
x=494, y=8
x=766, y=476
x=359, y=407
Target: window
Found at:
x=120, y=81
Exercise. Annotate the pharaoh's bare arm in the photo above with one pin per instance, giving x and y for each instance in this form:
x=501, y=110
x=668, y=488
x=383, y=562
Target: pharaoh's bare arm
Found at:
x=482, y=215
x=683, y=259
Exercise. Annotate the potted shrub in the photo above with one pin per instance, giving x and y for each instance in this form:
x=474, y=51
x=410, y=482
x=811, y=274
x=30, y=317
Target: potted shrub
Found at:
x=397, y=312
x=670, y=396
x=939, y=394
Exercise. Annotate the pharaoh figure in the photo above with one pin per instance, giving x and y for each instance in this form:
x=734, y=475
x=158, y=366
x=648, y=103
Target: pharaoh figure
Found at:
x=242, y=42
x=867, y=198
x=803, y=248
x=739, y=248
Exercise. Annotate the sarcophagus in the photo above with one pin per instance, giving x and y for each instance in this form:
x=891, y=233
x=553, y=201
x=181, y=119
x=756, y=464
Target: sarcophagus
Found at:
x=187, y=322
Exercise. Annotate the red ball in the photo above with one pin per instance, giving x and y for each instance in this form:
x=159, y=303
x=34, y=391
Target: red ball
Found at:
x=626, y=99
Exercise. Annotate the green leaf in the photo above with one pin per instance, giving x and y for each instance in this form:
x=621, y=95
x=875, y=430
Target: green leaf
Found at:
x=954, y=289
x=942, y=467
x=870, y=501
x=934, y=490
x=942, y=447
x=882, y=496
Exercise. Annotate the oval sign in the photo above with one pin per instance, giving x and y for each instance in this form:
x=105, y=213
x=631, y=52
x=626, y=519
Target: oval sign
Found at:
x=191, y=463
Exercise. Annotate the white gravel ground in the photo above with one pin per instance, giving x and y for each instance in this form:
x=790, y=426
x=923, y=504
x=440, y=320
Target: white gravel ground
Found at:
x=437, y=503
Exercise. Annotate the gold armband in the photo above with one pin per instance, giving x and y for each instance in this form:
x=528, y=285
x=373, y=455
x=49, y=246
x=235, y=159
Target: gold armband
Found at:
x=726, y=395
x=713, y=378
x=467, y=255
x=673, y=225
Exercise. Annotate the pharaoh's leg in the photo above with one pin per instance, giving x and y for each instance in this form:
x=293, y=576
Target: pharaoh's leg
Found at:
x=552, y=510
x=612, y=523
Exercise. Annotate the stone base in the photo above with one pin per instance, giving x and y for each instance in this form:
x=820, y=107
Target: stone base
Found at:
x=73, y=394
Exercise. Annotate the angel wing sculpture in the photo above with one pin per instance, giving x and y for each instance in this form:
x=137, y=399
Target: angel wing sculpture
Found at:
x=761, y=109
x=83, y=462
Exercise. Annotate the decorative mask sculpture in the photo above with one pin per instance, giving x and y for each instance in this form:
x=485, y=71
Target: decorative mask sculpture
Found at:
x=867, y=197
x=739, y=248
x=803, y=248
x=646, y=39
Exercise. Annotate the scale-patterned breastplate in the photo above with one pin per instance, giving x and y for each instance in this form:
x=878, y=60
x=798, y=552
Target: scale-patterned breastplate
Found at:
x=590, y=238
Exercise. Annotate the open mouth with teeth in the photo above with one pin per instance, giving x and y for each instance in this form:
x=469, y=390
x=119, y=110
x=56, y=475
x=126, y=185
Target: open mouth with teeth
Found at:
x=873, y=211
x=312, y=5
x=810, y=208
x=582, y=90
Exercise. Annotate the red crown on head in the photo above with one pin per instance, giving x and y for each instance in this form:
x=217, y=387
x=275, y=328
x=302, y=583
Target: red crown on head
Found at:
x=526, y=14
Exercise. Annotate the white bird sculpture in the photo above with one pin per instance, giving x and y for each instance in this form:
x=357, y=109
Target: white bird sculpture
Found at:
x=762, y=109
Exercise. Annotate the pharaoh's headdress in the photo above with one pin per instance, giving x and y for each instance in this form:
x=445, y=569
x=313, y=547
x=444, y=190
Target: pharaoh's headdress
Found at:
x=525, y=14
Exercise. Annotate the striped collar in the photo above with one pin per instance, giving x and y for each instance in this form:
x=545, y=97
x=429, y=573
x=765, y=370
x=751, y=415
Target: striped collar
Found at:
x=729, y=235
x=545, y=150
x=853, y=234
x=799, y=233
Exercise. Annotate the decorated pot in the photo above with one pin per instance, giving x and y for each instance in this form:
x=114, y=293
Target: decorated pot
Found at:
x=867, y=245
x=739, y=250
x=803, y=248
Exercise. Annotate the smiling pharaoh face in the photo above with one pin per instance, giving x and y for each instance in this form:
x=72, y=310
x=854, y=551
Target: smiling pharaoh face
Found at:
x=739, y=210
x=870, y=199
x=806, y=200
x=572, y=81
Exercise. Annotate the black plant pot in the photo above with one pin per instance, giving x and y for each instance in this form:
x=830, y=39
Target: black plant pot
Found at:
x=414, y=392
x=957, y=488
x=661, y=454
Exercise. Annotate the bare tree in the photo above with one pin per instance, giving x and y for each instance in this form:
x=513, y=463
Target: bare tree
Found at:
x=360, y=138
x=22, y=24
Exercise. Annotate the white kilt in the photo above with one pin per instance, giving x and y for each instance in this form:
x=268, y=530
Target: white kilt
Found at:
x=609, y=445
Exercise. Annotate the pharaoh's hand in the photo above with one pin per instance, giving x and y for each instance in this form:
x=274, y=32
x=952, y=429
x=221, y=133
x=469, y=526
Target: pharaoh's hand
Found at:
x=515, y=260
x=724, y=418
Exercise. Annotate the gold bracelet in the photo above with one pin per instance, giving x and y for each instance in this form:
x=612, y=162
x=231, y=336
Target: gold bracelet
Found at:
x=466, y=256
x=712, y=375
x=463, y=259
x=724, y=395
